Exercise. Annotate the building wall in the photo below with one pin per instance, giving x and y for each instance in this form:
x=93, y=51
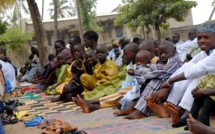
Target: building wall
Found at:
x=69, y=26
x=187, y=22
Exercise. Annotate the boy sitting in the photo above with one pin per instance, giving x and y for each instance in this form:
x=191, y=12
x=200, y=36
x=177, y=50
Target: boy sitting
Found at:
x=170, y=62
x=74, y=87
x=105, y=70
x=61, y=73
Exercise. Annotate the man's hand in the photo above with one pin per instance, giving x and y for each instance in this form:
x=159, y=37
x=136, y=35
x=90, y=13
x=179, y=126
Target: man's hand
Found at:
x=188, y=56
x=198, y=94
x=131, y=72
x=159, y=95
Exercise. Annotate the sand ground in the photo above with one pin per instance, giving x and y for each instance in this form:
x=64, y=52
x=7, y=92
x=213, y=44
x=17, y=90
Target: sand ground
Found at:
x=19, y=128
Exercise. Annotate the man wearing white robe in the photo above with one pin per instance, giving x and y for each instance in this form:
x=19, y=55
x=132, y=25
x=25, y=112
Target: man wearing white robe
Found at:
x=185, y=79
x=180, y=93
x=183, y=48
x=9, y=73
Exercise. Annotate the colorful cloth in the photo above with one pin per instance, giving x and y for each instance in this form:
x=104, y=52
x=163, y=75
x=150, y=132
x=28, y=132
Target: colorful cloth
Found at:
x=107, y=88
x=145, y=73
x=207, y=82
x=173, y=64
x=62, y=74
x=59, y=88
x=102, y=73
x=111, y=100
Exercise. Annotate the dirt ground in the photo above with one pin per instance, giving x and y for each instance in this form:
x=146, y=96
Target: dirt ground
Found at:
x=19, y=128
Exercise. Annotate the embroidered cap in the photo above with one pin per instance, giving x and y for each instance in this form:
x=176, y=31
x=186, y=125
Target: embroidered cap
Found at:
x=207, y=27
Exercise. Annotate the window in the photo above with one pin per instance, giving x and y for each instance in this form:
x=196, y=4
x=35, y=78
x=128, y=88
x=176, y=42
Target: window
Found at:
x=50, y=41
x=119, y=32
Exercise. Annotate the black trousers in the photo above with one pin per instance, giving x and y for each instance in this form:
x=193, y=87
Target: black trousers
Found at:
x=208, y=105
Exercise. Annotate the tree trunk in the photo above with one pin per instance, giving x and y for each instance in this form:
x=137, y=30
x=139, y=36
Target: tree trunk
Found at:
x=39, y=32
x=42, y=8
x=153, y=32
x=55, y=23
x=212, y=13
x=158, y=33
x=79, y=19
x=20, y=15
x=143, y=31
x=157, y=28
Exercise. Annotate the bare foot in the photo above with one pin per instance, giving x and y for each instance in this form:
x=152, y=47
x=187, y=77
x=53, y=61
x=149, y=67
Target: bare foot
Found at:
x=83, y=104
x=197, y=127
x=126, y=111
x=157, y=108
x=135, y=115
x=173, y=111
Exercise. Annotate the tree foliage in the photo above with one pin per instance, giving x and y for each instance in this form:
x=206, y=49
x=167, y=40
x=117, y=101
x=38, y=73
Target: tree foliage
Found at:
x=213, y=3
x=15, y=39
x=64, y=9
x=5, y=4
x=14, y=10
x=88, y=15
x=145, y=13
x=3, y=27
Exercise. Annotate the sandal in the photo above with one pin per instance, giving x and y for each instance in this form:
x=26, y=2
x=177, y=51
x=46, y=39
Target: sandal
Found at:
x=33, y=122
x=52, y=130
x=20, y=114
x=13, y=120
x=27, y=117
x=7, y=119
x=58, y=127
x=30, y=96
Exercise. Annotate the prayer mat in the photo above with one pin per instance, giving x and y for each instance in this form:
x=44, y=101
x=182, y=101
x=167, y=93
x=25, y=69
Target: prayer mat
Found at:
x=42, y=106
x=104, y=122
